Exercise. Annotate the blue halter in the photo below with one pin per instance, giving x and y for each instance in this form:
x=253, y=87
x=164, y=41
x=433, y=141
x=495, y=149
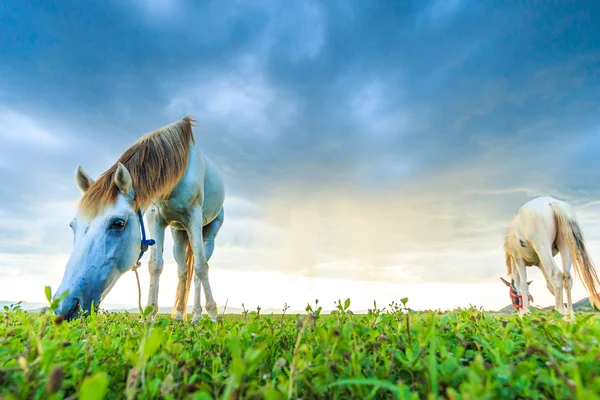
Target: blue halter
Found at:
x=145, y=242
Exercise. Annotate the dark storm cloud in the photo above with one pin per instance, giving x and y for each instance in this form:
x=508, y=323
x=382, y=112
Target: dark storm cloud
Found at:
x=467, y=108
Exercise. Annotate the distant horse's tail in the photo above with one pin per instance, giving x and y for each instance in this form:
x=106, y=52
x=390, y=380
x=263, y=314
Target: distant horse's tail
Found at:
x=573, y=236
x=189, y=262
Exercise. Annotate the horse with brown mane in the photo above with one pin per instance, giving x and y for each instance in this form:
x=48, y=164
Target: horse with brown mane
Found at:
x=166, y=174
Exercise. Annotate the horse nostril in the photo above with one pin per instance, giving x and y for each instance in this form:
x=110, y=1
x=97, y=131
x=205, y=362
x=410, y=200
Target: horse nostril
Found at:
x=74, y=310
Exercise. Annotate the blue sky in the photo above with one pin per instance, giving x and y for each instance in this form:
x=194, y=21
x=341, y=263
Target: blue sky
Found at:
x=384, y=141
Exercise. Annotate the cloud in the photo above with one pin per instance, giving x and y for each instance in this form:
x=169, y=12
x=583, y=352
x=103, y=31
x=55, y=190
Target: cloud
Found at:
x=441, y=9
x=241, y=102
x=158, y=7
x=296, y=29
x=17, y=128
x=363, y=141
x=369, y=105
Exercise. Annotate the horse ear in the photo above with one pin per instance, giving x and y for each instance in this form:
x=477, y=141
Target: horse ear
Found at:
x=529, y=283
x=123, y=180
x=505, y=281
x=82, y=179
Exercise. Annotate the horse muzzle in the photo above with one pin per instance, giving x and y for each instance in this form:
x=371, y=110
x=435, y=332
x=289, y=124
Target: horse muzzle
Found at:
x=69, y=308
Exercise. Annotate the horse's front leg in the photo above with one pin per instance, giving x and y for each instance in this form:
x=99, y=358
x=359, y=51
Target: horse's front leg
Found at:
x=156, y=227
x=523, y=286
x=197, y=241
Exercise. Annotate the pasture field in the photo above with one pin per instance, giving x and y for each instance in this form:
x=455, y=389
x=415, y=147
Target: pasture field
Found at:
x=387, y=353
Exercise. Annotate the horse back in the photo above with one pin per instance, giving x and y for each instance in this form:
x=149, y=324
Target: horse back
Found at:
x=201, y=186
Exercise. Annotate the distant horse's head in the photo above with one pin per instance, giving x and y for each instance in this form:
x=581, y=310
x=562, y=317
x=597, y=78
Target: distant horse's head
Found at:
x=515, y=293
x=106, y=240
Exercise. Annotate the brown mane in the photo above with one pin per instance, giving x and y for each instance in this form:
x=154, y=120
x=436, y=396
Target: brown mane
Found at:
x=156, y=162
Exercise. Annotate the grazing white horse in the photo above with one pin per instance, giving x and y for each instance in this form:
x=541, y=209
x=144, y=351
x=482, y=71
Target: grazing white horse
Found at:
x=166, y=173
x=544, y=227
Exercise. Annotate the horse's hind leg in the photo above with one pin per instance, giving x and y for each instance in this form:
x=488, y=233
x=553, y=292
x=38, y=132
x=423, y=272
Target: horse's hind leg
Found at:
x=567, y=277
x=553, y=276
x=157, y=227
x=202, y=240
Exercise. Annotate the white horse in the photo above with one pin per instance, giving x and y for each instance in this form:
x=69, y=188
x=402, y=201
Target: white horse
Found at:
x=166, y=173
x=544, y=227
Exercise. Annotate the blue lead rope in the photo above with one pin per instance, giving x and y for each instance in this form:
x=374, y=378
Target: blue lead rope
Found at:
x=145, y=242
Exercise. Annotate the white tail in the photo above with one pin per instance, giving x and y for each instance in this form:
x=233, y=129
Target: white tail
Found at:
x=570, y=231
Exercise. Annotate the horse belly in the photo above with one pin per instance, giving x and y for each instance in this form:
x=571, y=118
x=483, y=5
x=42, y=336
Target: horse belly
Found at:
x=214, y=194
x=174, y=213
x=528, y=254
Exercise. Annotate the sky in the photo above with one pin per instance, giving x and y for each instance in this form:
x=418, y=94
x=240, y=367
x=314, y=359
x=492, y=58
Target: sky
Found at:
x=371, y=150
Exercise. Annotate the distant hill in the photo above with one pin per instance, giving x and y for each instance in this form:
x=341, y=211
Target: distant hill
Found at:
x=581, y=305
x=24, y=305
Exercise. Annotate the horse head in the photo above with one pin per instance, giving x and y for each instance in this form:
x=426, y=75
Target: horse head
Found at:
x=515, y=294
x=106, y=245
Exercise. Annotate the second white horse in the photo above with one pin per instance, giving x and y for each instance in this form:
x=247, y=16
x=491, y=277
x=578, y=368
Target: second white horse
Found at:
x=543, y=228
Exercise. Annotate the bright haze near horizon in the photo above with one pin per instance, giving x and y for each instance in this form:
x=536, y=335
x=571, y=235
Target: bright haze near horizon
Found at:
x=371, y=150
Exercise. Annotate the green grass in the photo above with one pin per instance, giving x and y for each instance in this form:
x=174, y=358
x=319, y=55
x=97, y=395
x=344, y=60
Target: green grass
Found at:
x=464, y=354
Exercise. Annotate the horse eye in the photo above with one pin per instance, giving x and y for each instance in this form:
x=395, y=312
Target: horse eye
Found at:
x=118, y=224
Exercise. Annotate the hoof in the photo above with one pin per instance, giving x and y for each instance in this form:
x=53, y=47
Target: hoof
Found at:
x=211, y=309
x=178, y=316
x=197, y=315
x=569, y=318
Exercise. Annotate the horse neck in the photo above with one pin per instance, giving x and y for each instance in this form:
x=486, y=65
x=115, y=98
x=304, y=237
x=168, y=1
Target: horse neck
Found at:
x=166, y=193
